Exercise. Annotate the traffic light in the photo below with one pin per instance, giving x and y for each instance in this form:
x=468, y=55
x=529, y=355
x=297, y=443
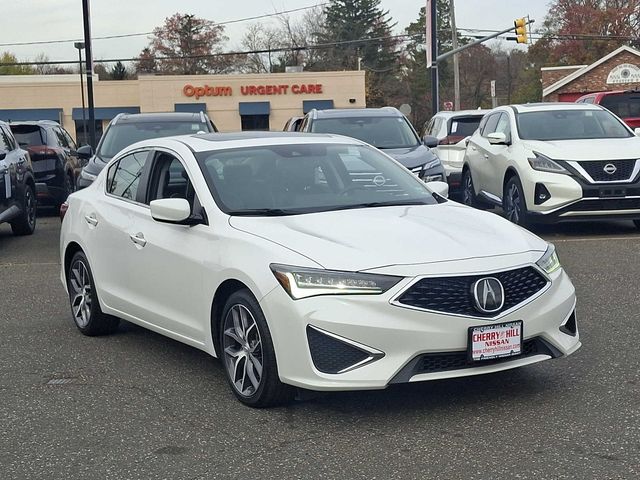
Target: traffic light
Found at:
x=521, y=30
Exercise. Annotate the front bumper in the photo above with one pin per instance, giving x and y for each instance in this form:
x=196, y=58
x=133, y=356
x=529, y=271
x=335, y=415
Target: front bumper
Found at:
x=397, y=336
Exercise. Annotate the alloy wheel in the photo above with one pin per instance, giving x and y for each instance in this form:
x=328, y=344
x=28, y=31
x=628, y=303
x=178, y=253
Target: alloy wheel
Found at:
x=30, y=207
x=242, y=347
x=80, y=283
x=512, y=208
x=467, y=190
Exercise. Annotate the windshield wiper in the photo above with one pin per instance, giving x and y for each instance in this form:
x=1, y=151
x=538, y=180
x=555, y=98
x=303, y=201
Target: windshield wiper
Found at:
x=388, y=203
x=262, y=212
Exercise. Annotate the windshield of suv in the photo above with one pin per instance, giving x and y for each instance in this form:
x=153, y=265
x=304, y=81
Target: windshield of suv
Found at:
x=296, y=179
x=569, y=125
x=27, y=135
x=624, y=105
x=381, y=132
x=122, y=135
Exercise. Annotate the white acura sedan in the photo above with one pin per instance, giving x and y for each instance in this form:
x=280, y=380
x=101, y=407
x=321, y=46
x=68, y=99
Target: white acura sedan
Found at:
x=311, y=261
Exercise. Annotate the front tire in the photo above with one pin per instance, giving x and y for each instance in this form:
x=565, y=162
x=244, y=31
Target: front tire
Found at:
x=514, y=203
x=85, y=307
x=468, y=191
x=25, y=224
x=248, y=355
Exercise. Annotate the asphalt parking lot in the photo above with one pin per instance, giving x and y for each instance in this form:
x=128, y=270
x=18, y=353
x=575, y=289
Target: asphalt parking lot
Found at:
x=139, y=405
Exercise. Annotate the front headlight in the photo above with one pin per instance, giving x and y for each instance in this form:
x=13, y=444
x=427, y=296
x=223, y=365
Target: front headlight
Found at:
x=543, y=163
x=308, y=282
x=432, y=164
x=549, y=262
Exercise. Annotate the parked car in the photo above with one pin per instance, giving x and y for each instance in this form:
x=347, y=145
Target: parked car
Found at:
x=126, y=129
x=267, y=251
x=17, y=185
x=447, y=132
x=623, y=103
x=54, y=157
x=554, y=161
x=386, y=129
x=293, y=124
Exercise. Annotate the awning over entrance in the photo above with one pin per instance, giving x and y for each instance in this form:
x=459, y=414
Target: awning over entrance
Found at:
x=308, y=105
x=190, y=107
x=103, y=113
x=255, y=108
x=22, y=114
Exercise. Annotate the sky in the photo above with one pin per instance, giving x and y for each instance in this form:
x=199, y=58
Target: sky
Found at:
x=42, y=20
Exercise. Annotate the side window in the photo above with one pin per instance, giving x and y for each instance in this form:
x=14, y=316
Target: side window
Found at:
x=492, y=123
x=123, y=177
x=4, y=141
x=428, y=128
x=62, y=140
x=588, y=100
x=169, y=179
x=305, y=123
x=503, y=125
x=70, y=142
x=8, y=139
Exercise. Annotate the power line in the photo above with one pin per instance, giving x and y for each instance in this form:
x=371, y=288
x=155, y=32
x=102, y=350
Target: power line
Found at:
x=127, y=35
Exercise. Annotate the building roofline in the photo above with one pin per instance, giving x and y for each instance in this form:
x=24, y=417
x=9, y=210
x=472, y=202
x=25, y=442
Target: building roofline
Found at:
x=578, y=73
x=563, y=67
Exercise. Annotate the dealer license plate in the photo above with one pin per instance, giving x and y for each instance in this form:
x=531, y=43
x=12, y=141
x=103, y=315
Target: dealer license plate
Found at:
x=495, y=341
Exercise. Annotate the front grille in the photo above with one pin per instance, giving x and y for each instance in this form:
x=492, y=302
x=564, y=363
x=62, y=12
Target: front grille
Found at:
x=442, y=362
x=605, y=204
x=455, y=294
x=330, y=355
x=595, y=169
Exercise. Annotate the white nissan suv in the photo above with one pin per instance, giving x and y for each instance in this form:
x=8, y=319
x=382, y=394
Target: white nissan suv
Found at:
x=552, y=162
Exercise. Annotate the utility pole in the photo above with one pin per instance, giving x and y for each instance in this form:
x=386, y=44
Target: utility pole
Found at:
x=86, y=16
x=456, y=65
x=433, y=23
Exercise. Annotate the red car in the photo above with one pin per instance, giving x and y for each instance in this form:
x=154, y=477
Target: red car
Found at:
x=623, y=103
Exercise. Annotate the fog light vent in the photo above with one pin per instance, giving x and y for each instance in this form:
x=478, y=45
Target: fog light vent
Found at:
x=541, y=194
x=333, y=354
x=570, y=327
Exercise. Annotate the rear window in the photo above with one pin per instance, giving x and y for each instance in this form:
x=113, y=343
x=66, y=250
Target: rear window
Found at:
x=624, y=105
x=464, y=126
x=28, y=135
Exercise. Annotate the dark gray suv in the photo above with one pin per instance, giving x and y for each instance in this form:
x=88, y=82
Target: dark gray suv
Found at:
x=386, y=129
x=127, y=129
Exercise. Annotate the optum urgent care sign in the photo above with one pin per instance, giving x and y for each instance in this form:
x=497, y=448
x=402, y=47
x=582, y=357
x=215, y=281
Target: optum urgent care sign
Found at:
x=226, y=91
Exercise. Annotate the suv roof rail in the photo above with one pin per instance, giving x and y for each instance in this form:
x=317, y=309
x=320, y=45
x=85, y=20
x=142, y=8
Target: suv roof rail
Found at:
x=116, y=118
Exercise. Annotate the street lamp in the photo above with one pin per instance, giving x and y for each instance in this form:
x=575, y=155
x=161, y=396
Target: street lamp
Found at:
x=80, y=47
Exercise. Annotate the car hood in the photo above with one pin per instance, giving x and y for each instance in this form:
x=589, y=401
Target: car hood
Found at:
x=364, y=239
x=590, y=149
x=411, y=157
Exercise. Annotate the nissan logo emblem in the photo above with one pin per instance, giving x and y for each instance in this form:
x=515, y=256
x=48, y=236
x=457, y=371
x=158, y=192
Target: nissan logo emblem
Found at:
x=488, y=294
x=610, y=168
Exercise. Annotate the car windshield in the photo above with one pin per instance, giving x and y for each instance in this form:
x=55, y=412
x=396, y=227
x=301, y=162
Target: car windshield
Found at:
x=381, y=132
x=122, y=135
x=569, y=125
x=28, y=135
x=624, y=105
x=305, y=178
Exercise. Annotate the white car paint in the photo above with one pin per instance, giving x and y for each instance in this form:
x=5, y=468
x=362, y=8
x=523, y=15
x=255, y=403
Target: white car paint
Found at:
x=168, y=284
x=574, y=195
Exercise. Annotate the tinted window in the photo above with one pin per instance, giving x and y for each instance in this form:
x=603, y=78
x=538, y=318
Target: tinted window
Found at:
x=464, y=126
x=61, y=139
x=381, y=132
x=492, y=123
x=70, y=142
x=294, y=179
x=124, y=176
x=624, y=105
x=569, y=125
x=122, y=135
x=28, y=135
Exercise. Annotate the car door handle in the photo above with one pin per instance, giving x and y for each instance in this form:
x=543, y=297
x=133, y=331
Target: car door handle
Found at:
x=473, y=148
x=138, y=239
x=91, y=220
x=486, y=156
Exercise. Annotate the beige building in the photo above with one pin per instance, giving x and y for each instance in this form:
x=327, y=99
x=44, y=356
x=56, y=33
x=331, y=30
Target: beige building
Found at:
x=234, y=102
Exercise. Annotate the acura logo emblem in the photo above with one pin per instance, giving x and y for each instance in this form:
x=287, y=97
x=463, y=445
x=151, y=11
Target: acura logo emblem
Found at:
x=488, y=294
x=610, y=168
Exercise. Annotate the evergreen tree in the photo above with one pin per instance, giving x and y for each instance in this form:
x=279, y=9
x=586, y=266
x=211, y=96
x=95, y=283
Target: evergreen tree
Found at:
x=118, y=72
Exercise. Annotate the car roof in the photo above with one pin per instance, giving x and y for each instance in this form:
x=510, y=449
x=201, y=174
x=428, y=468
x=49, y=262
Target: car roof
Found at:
x=158, y=117
x=50, y=123
x=221, y=141
x=550, y=106
x=357, y=112
x=462, y=113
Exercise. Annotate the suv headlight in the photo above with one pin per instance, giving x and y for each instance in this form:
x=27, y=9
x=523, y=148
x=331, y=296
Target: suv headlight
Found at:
x=543, y=163
x=433, y=163
x=549, y=262
x=301, y=282
x=87, y=176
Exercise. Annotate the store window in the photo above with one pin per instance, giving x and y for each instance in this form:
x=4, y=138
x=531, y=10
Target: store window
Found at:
x=255, y=122
x=82, y=137
x=254, y=115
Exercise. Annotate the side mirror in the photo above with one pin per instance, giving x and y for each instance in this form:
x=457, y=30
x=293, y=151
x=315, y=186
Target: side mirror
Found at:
x=637, y=131
x=174, y=210
x=441, y=188
x=430, y=141
x=85, y=152
x=497, y=138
